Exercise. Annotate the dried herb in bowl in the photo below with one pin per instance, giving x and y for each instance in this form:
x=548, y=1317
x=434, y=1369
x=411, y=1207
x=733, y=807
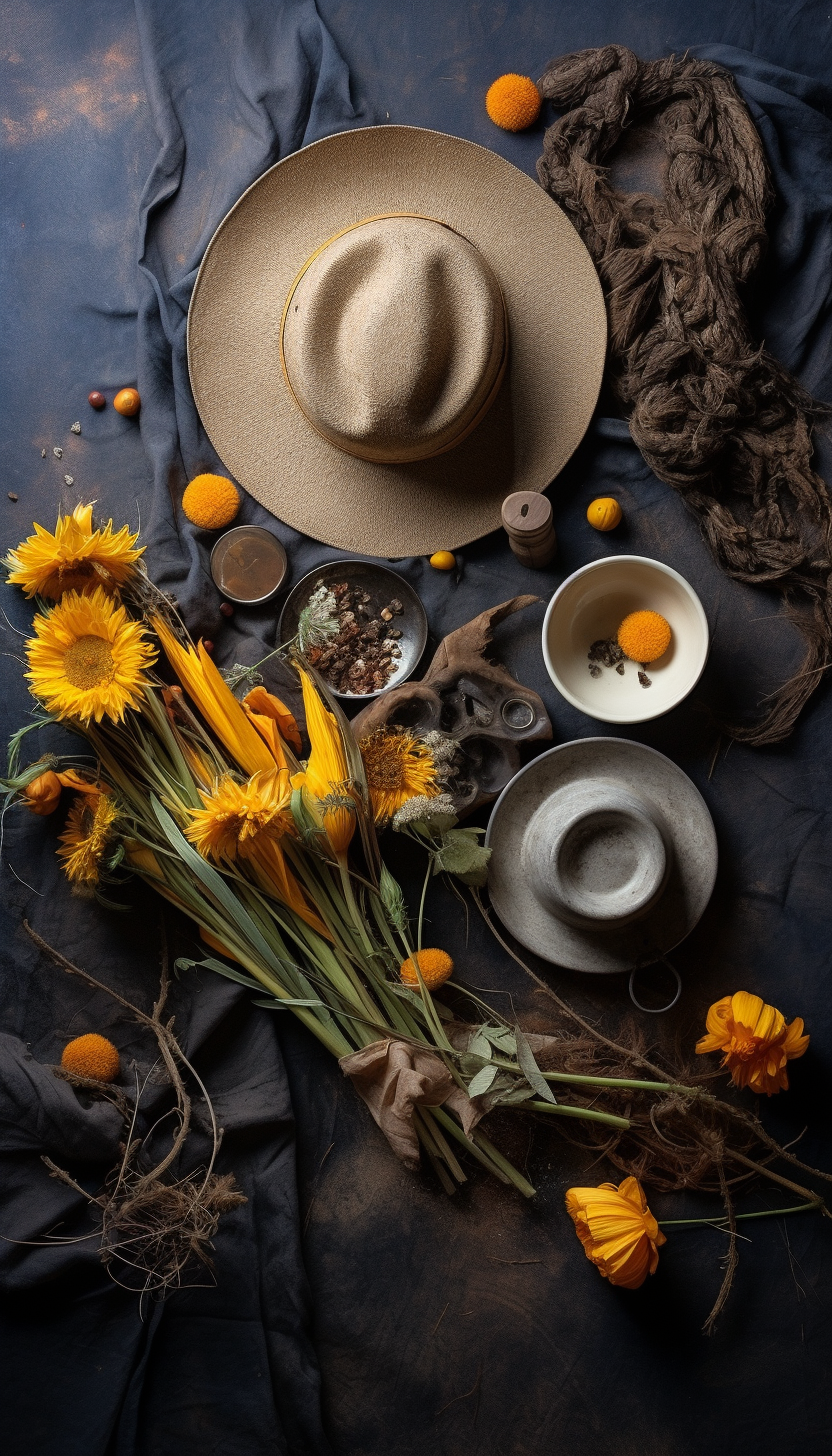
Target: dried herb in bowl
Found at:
x=359, y=651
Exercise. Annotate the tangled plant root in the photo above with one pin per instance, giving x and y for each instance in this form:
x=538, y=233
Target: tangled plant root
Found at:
x=153, y=1227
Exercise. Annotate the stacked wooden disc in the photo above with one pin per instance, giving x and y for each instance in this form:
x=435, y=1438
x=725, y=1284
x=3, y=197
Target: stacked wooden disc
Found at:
x=527, y=517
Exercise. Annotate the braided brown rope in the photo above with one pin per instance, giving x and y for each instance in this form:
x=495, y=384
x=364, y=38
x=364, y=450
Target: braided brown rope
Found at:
x=713, y=413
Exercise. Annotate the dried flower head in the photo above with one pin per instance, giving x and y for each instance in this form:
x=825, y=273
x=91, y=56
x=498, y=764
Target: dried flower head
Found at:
x=513, y=102
x=74, y=557
x=617, y=1230
x=435, y=967
x=319, y=618
x=422, y=810
x=211, y=501
x=236, y=816
x=91, y=1056
x=644, y=636
x=87, y=658
x=87, y=839
x=755, y=1040
x=399, y=766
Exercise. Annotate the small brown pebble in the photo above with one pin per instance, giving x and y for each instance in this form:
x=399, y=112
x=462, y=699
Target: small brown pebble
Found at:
x=386, y=615
x=96, y=399
x=208, y=644
x=12, y=495
x=226, y=609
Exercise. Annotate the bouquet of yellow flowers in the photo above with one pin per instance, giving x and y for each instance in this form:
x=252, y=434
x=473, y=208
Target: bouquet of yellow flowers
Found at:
x=204, y=795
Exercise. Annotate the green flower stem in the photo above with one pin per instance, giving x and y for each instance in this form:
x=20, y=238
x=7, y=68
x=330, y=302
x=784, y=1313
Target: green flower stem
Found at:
x=585, y=1112
x=428, y=873
x=582, y=1081
x=484, y=1151
x=722, y=1221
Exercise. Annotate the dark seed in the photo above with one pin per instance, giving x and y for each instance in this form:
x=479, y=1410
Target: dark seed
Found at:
x=208, y=644
x=96, y=399
x=226, y=609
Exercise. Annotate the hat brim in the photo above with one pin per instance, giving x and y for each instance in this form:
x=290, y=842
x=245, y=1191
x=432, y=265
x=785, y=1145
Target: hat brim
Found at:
x=557, y=340
x=689, y=886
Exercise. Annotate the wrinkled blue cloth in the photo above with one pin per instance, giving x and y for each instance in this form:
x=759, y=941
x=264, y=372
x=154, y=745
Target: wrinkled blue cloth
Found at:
x=476, y=1325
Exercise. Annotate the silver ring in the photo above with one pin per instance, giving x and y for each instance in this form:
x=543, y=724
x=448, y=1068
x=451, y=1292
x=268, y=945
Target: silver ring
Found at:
x=655, y=1010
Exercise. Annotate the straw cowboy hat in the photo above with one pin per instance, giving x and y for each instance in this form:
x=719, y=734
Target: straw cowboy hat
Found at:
x=390, y=332
x=603, y=855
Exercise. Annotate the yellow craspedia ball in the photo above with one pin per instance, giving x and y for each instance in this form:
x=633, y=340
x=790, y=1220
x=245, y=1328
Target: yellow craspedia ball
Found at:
x=435, y=967
x=443, y=561
x=91, y=1056
x=513, y=102
x=644, y=636
x=211, y=501
x=604, y=514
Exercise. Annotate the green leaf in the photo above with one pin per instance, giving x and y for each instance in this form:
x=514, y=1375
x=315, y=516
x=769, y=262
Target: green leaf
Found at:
x=501, y=1038
x=530, y=1069
x=480, y=1046
x=445, y=1013
x=275, y=1004
x=209, y=964
x=459, y=854
x=481, y=1083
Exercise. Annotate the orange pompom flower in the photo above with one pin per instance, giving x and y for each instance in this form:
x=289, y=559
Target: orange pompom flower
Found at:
x=435, y=967
x=211, y=501
x=644, y=636
x=513, y=102
x=91, y=1056
x=755, y=1039
x=617, y=1230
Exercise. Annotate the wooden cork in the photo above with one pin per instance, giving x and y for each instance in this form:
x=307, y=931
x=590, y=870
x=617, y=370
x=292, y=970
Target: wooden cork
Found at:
x=527, y=517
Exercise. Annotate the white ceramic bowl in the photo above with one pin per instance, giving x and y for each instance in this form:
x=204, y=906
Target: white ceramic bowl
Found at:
x=590, y=606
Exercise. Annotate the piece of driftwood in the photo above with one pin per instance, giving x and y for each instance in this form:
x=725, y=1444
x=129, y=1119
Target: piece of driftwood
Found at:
x=472, y=700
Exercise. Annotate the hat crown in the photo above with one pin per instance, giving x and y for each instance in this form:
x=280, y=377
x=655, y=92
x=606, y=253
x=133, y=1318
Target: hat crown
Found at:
x=394, y=338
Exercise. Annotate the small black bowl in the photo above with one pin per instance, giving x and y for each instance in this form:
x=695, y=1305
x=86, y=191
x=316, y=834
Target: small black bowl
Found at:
x=381, y=586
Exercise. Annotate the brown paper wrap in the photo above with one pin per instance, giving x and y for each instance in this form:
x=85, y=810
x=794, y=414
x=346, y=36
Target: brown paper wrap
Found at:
x=394, y=1077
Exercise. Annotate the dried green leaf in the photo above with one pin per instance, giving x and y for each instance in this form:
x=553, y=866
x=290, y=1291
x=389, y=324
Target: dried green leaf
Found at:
x=483, y=1080
x=530, y=1069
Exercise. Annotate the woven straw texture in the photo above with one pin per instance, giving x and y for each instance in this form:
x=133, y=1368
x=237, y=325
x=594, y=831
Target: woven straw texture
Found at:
x=557, y=340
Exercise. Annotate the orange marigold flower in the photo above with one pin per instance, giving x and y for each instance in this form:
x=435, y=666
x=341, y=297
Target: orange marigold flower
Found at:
x=617, y=1230
x=644, y=636
x=435, y=967
x=513, y=102
x=755, y=1039
x=211, y=501
x=91, y=1056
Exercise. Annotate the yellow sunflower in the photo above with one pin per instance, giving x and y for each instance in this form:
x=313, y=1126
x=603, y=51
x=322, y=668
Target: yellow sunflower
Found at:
x=74, y=557
x=87, y=658
x=87, y=837
x=237, y=816
x=398, y=767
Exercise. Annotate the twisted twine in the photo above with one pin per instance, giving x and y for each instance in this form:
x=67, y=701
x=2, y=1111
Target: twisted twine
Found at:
x=713, y=413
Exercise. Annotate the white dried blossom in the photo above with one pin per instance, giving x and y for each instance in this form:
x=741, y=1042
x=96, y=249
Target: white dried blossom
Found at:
x=445, y=754
x=421, y=809
x=319, y=618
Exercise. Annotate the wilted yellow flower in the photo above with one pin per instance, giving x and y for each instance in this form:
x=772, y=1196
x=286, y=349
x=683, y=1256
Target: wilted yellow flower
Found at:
x=267, y=712
x=326, y=779
x=87, y=658
x=755, y=1040
x=74, y=557
x=43, y=794
x=398, y=766
x=87, y=838
x=237, y=816
x=617, y=1230
x=206, y=687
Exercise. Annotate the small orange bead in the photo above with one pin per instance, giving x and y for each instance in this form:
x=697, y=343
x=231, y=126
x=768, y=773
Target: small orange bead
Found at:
x=127, y=402
x=604, y=514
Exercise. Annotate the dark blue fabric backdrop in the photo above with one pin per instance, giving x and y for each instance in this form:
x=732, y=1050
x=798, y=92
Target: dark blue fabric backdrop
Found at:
x=127, y=134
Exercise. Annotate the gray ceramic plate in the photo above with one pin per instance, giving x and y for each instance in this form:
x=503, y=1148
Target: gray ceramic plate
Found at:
x=381, y=585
